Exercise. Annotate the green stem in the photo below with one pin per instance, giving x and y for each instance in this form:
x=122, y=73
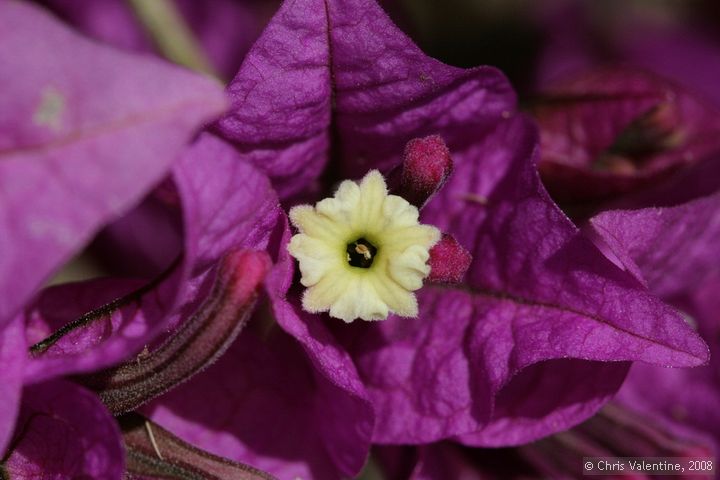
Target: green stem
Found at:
x=171, y=34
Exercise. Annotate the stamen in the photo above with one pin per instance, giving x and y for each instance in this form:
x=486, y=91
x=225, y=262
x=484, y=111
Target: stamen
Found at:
x=361, y=253
x=364, y=251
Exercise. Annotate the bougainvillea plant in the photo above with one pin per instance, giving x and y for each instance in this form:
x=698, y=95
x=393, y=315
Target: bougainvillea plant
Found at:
x=348, y=256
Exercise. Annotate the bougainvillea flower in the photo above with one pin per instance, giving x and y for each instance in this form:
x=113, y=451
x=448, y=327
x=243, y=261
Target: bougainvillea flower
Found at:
x=542, y=311
x=103, y=125
x=511, y=319
x=613, y=131
x=331, y=413
x=541, y=305
x=362, y=252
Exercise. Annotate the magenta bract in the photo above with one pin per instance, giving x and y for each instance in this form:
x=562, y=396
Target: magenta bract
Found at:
x=63, y=431
x=85, y=131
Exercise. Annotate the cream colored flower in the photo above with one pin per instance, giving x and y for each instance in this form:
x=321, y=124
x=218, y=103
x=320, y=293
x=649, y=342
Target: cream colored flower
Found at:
x=362, y=252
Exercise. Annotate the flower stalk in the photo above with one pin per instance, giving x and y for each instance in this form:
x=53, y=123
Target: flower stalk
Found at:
x=195, y=345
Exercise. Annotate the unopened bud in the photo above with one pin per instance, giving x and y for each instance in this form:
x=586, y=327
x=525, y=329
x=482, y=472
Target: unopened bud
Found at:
x=426, y=167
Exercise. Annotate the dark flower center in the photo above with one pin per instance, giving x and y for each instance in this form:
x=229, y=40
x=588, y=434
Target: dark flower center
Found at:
x=361, y=253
